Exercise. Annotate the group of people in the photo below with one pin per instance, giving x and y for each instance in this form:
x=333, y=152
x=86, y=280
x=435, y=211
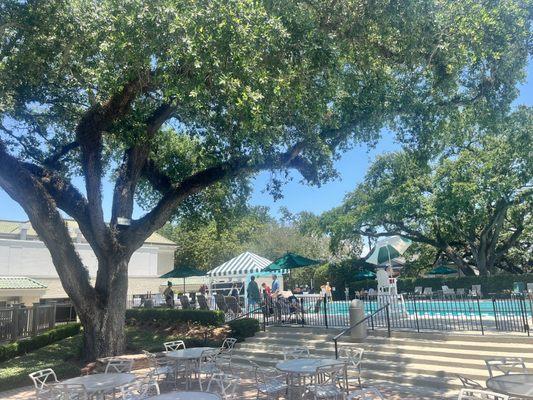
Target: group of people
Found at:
x=254, y=294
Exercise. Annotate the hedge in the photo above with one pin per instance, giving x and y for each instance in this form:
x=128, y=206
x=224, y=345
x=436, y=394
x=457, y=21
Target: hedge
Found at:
x=243, y=328
x=489, y=284
x=25, y=346
x=169, y=316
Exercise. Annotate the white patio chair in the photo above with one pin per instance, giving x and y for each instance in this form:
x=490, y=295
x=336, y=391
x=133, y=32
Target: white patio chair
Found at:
x=460, y=291
x=529, y=287
x=469, y=383
x=69, y=391
x=207, y=366
x=224, y=384
x=418, y=289
x=506, y=366
x=174, y=345
x=140, y=389
x=477, y=394
x=226, y=352
x=118, y=365
x=353, y=357
x=369, y=393
x=269, y=383
x=161, y=368
x=294, y=353
x=428, y=291
x=327, y=382
x=41, y=381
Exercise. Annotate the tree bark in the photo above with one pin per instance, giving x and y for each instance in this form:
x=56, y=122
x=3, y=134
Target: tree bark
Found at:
x=103, y=327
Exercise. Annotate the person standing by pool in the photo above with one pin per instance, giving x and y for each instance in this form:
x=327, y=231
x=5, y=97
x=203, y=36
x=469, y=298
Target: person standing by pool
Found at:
x=253, y=293
x=275, y=286
x=169, y=295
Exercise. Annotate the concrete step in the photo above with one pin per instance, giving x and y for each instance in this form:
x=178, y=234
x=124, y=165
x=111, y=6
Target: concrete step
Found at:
x=393, y=353
x=419, y=377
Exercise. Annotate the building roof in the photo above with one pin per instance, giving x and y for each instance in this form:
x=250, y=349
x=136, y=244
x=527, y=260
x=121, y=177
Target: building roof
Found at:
x=12, y=228
x=244, y=264
x=20, y=282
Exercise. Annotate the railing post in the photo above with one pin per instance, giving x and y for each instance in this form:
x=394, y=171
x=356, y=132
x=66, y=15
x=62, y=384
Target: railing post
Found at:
x=495, y=313
x=303, y=310
x=35, y=319
x=416, y=314
x=388, y=318
x=523, y=311
x=326, y=311
x=480, y=317
x=336, y=350
x=264, y=317
x=15, y=319
x=53, y=309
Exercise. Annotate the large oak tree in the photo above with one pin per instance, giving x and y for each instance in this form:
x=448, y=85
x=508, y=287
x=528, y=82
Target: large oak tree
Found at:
x=472, y=202
x=178, y=100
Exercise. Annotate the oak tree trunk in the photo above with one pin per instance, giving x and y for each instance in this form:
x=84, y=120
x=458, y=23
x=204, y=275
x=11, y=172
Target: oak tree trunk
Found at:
x=104, y=325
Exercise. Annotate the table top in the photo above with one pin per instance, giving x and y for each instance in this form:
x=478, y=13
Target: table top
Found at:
x=305, y=365
x=519, y=385
x=187, y=354
x=100, y=382
x=186, y=396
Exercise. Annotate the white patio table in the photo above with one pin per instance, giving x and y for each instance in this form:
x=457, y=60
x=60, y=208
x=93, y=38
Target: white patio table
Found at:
x=301, y=368
x=186, y=396
x=190, y=357
x=98, y=384
x=515, y=385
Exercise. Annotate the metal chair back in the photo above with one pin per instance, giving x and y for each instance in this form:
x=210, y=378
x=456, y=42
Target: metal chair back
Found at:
x=477, y=394
x=174, y=345
x=118, y=365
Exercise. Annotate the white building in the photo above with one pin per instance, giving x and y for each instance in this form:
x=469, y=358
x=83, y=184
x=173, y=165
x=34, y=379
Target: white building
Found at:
x=23, y=255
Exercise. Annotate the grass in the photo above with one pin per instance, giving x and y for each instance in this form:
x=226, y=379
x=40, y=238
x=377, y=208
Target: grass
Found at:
x=63, y=357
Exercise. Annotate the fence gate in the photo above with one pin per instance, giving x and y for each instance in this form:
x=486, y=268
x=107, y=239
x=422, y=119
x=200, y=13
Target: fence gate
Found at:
x=512, y=314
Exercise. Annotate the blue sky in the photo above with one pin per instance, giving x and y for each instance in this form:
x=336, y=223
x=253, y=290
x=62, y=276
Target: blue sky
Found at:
x=297, y=197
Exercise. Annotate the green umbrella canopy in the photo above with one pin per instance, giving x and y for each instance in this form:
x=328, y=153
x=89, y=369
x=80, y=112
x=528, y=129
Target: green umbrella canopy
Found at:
x=183, y=272
x=365, y=274
x=387, y=249
x=442, y=270
x=291, y=261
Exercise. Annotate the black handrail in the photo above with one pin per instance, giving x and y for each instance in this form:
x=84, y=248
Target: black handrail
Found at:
x=371, y=317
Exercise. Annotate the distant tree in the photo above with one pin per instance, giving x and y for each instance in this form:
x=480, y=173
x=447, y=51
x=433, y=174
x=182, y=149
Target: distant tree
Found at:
x=472, y=202
x=179, y=101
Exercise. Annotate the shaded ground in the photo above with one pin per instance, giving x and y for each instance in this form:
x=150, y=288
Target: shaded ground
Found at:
x=64, y=356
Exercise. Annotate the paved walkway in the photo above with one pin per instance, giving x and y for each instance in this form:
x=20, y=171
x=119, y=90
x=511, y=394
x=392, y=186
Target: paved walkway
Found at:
x=247, y=391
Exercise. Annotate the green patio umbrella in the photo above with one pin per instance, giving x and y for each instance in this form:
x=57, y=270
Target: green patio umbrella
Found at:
x=290, y=261
x=183, y=272
x=442, y=270
x=363, y=274
x=387, y=249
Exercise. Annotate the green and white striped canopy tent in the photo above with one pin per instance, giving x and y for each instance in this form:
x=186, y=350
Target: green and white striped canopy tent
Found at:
x=388, y=249
x=240, y=266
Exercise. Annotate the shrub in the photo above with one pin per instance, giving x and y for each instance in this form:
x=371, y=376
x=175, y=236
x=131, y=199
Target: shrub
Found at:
x=243, y=328
x=170, y=316
x=489, y=284
x=24, y=346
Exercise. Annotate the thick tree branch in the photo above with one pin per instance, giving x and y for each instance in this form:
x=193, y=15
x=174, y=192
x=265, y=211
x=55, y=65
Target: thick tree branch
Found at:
x=52, y=160
x=27, y=190
x=133, y=163
x=96, y=120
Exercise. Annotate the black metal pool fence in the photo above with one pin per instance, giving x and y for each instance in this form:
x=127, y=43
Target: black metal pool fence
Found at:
x=437, y=312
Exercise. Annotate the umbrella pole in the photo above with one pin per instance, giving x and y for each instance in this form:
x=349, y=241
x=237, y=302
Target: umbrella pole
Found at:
x=390, y=264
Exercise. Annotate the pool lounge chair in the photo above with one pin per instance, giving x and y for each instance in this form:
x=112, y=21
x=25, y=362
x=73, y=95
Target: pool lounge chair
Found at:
x=529, y=287
x=476, y=290
x=418, y=289
x=202, y=302
x=233, y=306
x=185, y=305
x=447, y=290
x=460, y=291
x=221, y=303
x=428, y=291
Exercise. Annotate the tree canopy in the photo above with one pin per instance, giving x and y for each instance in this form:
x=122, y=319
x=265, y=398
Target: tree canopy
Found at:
x=471, y=202
x=177, y=102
